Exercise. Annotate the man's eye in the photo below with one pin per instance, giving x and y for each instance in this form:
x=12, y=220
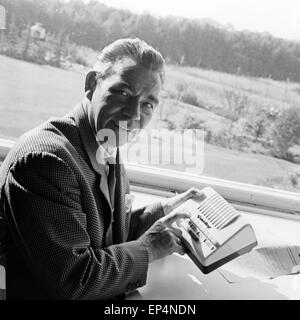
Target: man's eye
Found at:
x=124, y=93
x=148, y=105
x=148, y=108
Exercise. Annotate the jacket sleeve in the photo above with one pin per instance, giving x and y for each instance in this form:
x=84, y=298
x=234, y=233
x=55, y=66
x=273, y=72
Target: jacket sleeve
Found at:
x=50, y=227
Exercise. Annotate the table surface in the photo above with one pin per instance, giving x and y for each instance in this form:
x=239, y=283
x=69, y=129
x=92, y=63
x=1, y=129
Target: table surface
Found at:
x=177, y=277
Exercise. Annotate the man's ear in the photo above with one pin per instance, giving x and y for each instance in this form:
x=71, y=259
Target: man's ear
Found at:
x=90, y=84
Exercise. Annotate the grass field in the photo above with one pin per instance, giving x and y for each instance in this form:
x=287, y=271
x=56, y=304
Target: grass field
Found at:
x=30, y=94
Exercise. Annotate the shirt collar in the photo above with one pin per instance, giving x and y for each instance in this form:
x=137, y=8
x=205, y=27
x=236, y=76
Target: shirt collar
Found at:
x=106, y=155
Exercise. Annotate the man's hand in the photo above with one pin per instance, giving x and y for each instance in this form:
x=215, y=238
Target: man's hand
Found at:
x=162, y=238
x=172, y=203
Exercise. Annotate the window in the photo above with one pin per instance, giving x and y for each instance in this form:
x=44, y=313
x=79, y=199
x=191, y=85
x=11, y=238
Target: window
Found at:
x=232, y=86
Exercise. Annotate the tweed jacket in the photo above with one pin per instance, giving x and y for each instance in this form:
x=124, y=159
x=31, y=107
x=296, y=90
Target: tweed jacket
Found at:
x=58, y=217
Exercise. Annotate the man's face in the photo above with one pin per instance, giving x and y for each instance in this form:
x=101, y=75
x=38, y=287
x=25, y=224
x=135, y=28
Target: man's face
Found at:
x=124, y=101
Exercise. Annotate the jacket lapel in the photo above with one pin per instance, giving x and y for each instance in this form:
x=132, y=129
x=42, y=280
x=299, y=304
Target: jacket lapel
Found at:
x=91, y=147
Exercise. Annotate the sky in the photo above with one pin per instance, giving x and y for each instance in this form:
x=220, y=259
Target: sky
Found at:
x=281, y=18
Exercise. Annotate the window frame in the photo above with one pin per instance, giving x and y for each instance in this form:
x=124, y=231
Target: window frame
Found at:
x=165, y=182
x=245, y=197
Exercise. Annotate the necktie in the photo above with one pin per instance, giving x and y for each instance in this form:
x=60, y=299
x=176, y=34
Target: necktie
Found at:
x=111, y=181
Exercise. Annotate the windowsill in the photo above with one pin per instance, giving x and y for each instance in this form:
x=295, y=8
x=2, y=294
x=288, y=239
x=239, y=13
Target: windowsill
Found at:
x=246, y=197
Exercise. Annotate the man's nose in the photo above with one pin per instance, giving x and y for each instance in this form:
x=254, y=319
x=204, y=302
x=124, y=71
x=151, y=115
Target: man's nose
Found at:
x=133, y=109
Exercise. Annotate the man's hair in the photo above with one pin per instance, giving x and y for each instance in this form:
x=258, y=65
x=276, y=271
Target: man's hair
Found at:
x=135, y=49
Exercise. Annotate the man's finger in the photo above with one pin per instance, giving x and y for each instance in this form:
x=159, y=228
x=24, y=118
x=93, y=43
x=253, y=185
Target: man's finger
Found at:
x=190, y=193
x=176, y=231
x=179, y=249
x=195, y=193
x=170, y=218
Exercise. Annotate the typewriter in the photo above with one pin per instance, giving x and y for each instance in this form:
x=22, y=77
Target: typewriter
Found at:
x=216, y=232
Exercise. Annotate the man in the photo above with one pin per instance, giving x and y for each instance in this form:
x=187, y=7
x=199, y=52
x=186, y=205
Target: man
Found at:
x=65, y=194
